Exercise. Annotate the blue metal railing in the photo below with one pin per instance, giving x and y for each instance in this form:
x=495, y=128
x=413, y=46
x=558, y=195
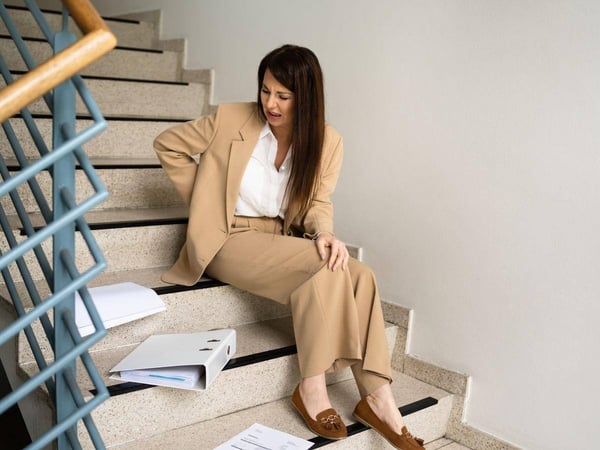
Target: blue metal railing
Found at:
x=25, y=283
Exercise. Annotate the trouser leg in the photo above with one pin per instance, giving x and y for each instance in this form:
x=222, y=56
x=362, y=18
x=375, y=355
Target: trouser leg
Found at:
x=338, y=322
x=337, y=316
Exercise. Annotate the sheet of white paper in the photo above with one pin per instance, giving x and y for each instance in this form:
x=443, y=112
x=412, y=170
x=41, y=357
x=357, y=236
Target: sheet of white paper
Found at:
x=117, y=304
x=260, y=437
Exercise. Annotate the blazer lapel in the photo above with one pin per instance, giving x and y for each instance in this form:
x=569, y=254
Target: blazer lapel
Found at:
x=239, y=155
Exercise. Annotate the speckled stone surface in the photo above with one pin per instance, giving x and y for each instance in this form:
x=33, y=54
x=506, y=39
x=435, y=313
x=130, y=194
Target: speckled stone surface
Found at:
x=135, y=64
x=119, y=63
x=250, y=339
x=197, y=75
x=122, y=139
x=139, y=35
x=395, y=313
x=445, y=444
x=399, y=355
x=143, y=99
x=400, y=316
x=438, y=443
x=132, y=248
x=189, y=312
x=280, y=415
x=124, y=249
x=455, y=446
x=151, y=19
x=142, y=413
x=128, y=188
x=451, y=381
x=173, y=45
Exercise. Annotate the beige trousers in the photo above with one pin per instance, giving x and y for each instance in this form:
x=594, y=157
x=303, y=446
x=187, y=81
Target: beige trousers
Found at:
x=337, y=316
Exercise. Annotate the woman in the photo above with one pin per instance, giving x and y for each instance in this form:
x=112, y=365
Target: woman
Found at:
x=261, y=219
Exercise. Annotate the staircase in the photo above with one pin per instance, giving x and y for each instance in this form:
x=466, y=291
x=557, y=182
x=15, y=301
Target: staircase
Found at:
x=140, y=229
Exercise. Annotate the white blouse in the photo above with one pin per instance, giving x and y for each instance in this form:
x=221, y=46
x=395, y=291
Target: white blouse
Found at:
x=263, y=187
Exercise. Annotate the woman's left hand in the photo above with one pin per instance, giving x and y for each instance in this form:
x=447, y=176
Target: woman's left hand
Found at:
x=339, y=253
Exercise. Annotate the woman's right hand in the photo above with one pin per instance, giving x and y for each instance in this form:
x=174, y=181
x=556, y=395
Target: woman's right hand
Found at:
x=338, y=256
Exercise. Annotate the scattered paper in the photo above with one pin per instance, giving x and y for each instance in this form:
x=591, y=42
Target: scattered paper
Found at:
x=117, y=304
x=260, y=437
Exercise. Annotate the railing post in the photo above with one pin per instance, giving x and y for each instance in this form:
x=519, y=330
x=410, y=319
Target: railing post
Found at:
x=64, y=239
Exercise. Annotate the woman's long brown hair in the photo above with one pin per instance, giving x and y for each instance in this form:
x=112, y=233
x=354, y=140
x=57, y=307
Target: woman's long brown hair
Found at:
x=298, y=69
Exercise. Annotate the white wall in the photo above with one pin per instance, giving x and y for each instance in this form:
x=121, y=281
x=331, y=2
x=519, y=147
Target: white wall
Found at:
x=471, y=177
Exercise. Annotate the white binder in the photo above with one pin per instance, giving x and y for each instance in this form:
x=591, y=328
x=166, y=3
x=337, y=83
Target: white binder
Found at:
x=183, y=361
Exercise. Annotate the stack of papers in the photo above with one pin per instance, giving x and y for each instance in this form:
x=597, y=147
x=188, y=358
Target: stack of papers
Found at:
x=117, y=304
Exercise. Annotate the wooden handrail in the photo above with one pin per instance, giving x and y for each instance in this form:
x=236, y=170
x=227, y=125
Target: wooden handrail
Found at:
x=96, y=42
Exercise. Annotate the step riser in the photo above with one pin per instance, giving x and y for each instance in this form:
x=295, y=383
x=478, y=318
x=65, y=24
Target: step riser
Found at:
x=143, y=413
x=281, y=415
x=128, y=188
x=140, y=35
x=124, y=249
x=122, y=139
x=204, y=309
x=118, y=63
x=138, y=99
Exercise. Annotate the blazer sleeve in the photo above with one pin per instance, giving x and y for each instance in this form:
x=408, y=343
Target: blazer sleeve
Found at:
x=176, y=146
x=319, y=216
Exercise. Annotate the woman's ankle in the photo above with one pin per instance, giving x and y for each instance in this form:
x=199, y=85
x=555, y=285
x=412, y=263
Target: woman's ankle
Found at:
x=313, y=385
x=383, y=404
x=313, y=393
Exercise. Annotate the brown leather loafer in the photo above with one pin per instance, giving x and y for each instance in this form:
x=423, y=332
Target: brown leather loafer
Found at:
x=404, y=441
x=328, y=424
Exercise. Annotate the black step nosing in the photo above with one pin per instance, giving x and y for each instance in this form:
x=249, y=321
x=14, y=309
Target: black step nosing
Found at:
x=176, y=288
x=234, y=363
x=358, y=427
x=118, y=47
x=51, y=11
x=119, y=79
x=120, y=224
x=135, y=80
x=256, y=358
x=139, y=49
x=103, y=166
x=109, y=118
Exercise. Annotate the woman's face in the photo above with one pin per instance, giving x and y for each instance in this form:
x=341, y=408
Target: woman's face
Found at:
x=277, y=102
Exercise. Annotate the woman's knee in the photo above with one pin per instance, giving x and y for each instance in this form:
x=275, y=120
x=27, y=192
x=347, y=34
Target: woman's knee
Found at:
x=360, y=271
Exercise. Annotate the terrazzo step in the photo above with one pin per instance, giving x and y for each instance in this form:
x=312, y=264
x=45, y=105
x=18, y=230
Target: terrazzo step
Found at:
x=265, y=369
x=148, y=99
x=122, y=62
x=209, y=305
x=429, y=423
x=99, y=219
x=131, y=184
x=122, y=139
x=129, y=33
x=123, y=248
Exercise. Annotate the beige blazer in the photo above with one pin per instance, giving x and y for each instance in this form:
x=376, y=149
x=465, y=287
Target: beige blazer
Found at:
x=224, y=142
